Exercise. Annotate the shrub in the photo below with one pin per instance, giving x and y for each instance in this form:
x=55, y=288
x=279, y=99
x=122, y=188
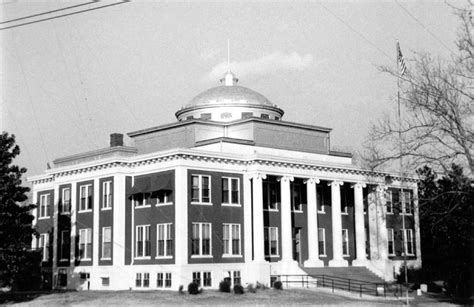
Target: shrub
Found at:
x=261, y=286
x=180, y=290
x=224, y=286
x=193, y=288
x=238, y=289
x=251, y=288
x=278, y=285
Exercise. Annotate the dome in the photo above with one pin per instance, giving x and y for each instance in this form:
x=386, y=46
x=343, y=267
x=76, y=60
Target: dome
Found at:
x=229, y=102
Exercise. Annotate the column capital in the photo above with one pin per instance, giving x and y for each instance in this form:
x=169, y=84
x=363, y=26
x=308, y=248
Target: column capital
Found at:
x=381, y=188
x=312, y=180
x=336, y=183
x=358, y=185
x=257, y=176
x=286, y=178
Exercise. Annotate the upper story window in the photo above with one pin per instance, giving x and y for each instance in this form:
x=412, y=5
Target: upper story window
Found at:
x=265, y=116
x=44, y=246
x=85, y=244
x=231, y=239
x=322, y=241
x=164, y=234
x=230, y=191
x=389, y=202
x=163, y=198
x=64, y=250
x=65, y=206
x=85, y=196
x=201, y=239
x=107, y=195
x=407, y=206
x=345, y=242
x=298, y=196
x=44, y=205
x=247, y=115
x=106, y=242
x=142, y=242
x=271, y=195
x=201, y=189
x=391, y=241
x=271, y=241
x=408, y=241
x=323, y=199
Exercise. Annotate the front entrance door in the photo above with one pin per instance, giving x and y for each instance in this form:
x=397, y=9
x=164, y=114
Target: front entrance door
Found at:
x=297, y=244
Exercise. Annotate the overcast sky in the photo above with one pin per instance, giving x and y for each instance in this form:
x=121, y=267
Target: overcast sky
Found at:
x=67, y=83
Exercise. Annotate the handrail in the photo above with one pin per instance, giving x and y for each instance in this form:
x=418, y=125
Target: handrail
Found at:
x=334, y=282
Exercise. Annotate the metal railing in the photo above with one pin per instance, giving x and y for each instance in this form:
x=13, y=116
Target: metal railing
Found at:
x=333, y=282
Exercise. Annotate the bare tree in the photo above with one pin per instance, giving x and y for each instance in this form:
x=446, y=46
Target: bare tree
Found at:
x=437, y=97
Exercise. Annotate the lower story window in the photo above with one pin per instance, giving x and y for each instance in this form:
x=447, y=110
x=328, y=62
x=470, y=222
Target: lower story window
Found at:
x=146, y=280
x=138, y=280
x=391, y=241
x=105, y=281
x=168, y=280
x=345, y=242
x=207, y=281
x=322, y=241
x=236, y=278
x=408, y=241
x=159, y=280
x=271, y=241
x=142, y=280
x=163, y=279
x=197, y=277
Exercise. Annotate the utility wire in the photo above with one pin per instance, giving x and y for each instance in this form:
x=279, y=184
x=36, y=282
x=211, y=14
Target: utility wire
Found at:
x=64, y=15
x=49, y=12
x=423, y=26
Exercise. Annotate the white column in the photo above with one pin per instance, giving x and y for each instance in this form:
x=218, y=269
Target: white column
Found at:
x=73, y=224
x=55, y=233
x=247, y=206
x=312, y=213
x=118, y=229
x=382, y=222
x=181, y=216
x=286, y=229
x=417, y=226
x=96, y=228
x=361, y=259
x=258, y=242
x=337, y=259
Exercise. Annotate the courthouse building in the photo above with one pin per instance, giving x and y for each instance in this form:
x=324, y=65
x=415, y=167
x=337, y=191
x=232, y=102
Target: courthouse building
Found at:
x=229, y=190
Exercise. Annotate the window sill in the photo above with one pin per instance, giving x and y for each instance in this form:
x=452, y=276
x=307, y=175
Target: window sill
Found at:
x=389, y=213
x=346, y=256
x=143, y=258
x=408, y=214
x=106, y=209
x=140, y=207
x=163, y=204
x=231, y=205
x=43, y=218
x=200, y=203
x=271, y=210
x=344, y=213
x=201, y=256
x=164, y=257
x=272, y=256
x=231, y=256
x=64, y=213
x=323, y=256
x=297, y=211
x=84, y=211
x=392, y=255
x=105, y=259
x=322, y=212
x=84, y=259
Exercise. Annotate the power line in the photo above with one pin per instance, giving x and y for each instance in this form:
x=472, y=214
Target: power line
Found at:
x=64, y=15
x=423, y=26
x=49, y=12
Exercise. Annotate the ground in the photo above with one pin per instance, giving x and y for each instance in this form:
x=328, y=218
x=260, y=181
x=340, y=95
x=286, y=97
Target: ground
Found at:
x=268, y=297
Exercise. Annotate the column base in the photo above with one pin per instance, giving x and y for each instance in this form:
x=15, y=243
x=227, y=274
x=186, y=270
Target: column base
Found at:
x=313, y=263
x=338, y=263
x=258, y=271
x=288, y=267
x=360, y=262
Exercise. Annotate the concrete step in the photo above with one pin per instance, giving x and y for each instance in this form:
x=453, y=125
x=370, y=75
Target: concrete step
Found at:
x=356, y=273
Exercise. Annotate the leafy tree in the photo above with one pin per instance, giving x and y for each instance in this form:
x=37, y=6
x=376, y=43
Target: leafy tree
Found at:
x=16, y=259
x=446, y=207
x=437, y=98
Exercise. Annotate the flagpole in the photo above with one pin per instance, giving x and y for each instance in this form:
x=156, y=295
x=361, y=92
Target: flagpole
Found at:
x=402, y=194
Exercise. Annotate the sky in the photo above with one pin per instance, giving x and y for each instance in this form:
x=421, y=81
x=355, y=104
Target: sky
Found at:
x=67, y=83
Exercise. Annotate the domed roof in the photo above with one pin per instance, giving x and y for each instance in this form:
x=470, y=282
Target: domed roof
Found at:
x=229, y=95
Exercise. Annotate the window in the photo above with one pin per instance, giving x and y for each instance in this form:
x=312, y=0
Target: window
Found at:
x=237, y=278
x=344, y=208
x=321, y=194
x=44, y=246
x=107, y=195
x=163, y=198
x=206, y=116
x=65, y=201
x=106, y=242
x=138, y=280
x=44, y=205
x=105, y=281
x=85, y=195
x=65, y=245
x=265, y=116
x=200, y=190
x=345, y=242
x=230, y=191
x=298, y=196
x=85, y=244
x=391, y=242
x=231, y=239
x=146, y=280
x=164, y=247
x=167, y=280
x=207, y=280
x=197, y=277
x=322, y=241
x=389, y=202
x=271, y=241
x=247, y=115
x=143, y=243
x=201, y=239
x=406, y=203
x=408, y=241
x=271, y=195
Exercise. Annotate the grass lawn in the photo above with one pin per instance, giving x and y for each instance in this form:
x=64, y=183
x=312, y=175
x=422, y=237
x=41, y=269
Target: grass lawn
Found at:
x=268, y=297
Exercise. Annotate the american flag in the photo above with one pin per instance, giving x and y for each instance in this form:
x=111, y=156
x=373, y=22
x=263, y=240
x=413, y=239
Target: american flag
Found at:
x=401, y=62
